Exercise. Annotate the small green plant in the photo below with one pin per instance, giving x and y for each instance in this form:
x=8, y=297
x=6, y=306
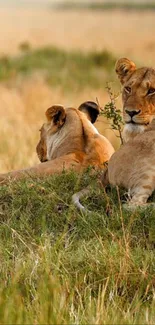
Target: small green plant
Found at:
x=113, y=114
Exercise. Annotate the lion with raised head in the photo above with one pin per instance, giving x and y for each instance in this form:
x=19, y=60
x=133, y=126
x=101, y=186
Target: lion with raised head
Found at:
x=68, y=140
x=133, y=165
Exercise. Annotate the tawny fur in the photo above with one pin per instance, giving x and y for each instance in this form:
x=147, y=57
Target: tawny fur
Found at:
x=68, y=140
x=133, y=165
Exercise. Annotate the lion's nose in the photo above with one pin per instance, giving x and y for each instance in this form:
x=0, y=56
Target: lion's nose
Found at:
x=132, y=113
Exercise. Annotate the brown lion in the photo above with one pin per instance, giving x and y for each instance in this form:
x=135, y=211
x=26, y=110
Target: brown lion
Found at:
x=68, y=140
x=133, y=165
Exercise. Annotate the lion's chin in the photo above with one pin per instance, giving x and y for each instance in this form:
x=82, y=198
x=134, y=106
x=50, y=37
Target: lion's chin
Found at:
x=132, y=129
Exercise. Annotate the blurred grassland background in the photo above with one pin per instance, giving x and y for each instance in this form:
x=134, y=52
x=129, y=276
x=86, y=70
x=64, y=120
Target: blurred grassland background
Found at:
x=50, y=55
x=58, y=266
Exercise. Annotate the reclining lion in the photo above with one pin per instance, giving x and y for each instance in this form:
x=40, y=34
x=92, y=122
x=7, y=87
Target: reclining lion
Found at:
x=68, y=140
x=133, y=165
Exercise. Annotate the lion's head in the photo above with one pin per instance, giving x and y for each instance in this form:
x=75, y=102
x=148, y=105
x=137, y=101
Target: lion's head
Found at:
x=63, y=131
x=138, y=96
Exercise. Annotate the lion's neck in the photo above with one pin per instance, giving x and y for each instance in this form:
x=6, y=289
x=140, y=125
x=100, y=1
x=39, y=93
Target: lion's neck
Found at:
x=131, y=130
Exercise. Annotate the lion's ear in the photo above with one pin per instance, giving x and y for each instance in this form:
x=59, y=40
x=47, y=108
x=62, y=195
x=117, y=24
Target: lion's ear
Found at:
x=41, y=148
x=91, y=109
x=124, y=69
x=56, y=114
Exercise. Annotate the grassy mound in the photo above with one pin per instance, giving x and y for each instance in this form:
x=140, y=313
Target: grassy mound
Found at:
x=59, y=266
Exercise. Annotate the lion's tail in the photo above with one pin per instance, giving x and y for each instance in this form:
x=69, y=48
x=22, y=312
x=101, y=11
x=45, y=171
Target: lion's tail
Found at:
x=87, y=191
x=77, y=196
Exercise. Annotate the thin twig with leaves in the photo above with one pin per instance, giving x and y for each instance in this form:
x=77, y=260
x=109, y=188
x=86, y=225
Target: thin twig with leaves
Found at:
x=111, y=112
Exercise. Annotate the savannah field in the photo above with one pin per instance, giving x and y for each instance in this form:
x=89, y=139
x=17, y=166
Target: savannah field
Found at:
x=59, y=266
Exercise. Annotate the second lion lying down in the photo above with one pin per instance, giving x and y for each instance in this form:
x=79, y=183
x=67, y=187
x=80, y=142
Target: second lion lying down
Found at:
x=68, y=140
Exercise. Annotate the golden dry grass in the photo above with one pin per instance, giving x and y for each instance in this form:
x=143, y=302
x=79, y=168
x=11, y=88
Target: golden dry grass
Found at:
x=22, y=104
x=123, y=33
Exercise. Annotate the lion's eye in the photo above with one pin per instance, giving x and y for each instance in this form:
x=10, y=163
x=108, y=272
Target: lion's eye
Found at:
x=151, y=91
x=127, y=89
